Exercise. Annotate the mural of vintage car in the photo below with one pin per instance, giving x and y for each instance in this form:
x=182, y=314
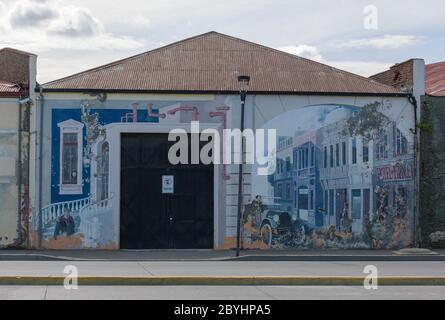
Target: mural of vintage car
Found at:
x=268, y=224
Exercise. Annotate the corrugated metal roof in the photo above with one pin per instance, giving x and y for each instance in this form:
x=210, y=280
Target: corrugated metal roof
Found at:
x=8, y=89
x=435, y=79
x=211, y=62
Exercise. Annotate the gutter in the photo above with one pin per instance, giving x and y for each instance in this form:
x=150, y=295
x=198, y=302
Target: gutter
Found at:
x=229, y=92
x=21, y=175
x=40, y=176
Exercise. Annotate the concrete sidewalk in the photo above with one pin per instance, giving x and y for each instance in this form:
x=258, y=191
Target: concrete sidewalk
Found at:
x=220, y=255
x=220, y=272
x=223, y=293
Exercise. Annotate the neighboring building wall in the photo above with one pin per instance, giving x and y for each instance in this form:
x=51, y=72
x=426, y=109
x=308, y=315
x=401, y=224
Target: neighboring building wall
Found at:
x=399, y=76
x=408, y=76
x=432, y=166
x=9, y=110
x=14, y=66
x=19, y=68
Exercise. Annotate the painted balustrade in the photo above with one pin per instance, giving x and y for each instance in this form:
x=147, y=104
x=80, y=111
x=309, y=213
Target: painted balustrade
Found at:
x=51, y=212
x=90, y=221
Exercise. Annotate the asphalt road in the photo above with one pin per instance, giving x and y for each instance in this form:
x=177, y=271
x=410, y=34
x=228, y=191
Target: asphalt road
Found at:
x=220, y=268
x=219, y=293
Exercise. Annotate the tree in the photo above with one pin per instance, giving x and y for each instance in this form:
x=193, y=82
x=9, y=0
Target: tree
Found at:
x=368, y=122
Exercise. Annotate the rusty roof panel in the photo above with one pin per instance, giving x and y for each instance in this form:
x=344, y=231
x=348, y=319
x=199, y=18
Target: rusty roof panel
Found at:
x=435, y=79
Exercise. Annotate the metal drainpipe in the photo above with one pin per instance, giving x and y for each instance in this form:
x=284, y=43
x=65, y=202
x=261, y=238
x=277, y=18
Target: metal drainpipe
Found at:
x=26, y=128
x=39, y=213
x=413, y=101
x=19, y=177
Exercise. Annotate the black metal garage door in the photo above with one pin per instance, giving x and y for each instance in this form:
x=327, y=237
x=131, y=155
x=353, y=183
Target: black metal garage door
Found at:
x=151, y=219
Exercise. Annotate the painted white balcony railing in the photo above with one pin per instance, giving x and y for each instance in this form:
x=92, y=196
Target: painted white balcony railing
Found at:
x=93, y=218
x=53, y=211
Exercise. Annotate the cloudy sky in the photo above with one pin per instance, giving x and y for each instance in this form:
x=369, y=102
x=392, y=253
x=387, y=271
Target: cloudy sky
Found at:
x=73, y=35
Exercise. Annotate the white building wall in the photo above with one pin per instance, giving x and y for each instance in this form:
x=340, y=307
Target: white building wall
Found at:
x=260, y=109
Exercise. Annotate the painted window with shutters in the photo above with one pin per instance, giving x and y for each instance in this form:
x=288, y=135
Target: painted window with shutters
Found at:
x=71, y=144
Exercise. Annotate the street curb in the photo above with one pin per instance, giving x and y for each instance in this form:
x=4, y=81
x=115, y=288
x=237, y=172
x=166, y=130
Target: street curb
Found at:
x=327, y=258
x=265, y=257
x=224, y=280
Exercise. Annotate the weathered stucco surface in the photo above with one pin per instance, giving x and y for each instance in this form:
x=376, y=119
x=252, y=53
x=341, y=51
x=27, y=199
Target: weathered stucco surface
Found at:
x=8, y=180
x=432, y=172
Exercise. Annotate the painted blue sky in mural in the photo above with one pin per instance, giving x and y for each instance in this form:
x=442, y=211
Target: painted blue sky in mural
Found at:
x=106, y=116
x=308, y=118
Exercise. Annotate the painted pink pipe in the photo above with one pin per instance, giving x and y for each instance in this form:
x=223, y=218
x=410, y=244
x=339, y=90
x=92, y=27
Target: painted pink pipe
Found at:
x=186, y=109
x=222, y=113
x=151, y=114
x=135, y=112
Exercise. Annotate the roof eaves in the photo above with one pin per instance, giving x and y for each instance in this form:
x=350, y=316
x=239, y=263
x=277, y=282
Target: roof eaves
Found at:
x=299, y=93
x=9, y=95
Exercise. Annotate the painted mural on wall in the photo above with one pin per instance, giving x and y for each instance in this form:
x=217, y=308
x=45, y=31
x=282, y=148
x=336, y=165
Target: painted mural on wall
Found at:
x=343, y=179
x=82, y=212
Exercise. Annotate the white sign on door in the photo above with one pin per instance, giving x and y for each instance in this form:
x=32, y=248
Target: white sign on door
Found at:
x=168, y=184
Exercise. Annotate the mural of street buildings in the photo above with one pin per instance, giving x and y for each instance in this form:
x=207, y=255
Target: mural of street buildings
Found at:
x=345, y=180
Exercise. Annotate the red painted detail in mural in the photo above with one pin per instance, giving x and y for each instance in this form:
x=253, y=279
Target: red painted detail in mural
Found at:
x=397, y=172
x=301, y=139
x=151, y=114
x=192, y=109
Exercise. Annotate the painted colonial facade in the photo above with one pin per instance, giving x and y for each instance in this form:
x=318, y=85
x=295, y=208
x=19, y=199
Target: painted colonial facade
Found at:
x=283, y=174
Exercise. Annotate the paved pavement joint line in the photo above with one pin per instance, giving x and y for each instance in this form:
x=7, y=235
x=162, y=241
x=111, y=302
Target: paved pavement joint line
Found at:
x=145, y=269
x=266, y=293
x=45, y=293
